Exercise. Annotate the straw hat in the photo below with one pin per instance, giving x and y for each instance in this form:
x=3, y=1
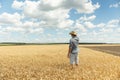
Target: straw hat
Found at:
x=73, y=33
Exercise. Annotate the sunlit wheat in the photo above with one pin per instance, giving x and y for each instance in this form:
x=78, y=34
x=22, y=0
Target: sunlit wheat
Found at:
x=50, y=62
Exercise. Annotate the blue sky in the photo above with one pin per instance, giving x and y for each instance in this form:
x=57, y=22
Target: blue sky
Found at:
x=50, y=21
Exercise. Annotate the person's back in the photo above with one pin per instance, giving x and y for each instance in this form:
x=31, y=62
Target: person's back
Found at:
x=74, y=42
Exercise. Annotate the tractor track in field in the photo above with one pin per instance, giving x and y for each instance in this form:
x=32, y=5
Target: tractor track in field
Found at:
x=115, y=50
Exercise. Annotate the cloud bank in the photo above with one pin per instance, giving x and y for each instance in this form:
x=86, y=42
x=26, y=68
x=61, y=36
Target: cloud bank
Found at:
x=34, y=18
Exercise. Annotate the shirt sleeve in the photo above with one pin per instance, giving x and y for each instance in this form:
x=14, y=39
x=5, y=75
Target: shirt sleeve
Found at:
x=70, y=44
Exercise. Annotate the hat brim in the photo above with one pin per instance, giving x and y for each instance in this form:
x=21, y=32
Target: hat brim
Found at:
x=73, y=34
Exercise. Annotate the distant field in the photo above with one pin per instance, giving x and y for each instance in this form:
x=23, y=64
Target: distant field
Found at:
x=6, y=44
x=50, y=62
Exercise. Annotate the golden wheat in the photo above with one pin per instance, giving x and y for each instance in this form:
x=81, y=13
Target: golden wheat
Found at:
x=50, y=62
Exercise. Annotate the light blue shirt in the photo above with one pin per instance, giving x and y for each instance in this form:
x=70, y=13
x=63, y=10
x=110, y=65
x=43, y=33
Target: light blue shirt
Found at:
x=74, y=42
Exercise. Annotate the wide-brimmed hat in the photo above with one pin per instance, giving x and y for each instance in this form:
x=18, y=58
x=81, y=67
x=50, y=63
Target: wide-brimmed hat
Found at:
x=73, y=33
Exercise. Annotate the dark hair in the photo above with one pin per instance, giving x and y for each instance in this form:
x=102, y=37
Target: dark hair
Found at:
x=73, y=35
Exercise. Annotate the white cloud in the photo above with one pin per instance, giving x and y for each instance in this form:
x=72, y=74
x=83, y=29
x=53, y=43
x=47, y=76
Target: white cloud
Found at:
x=83, y=34
x=113, y=23
x=101, y=32
x=80, y=27
x=91, y=18
x=109, y=27
x=17, y=4
x=47, y=5
x=89, y=25
x=12, y=29
x=85, y=18
x=51, y=18
x=97, y=32
x=116, y=5
x=28, y=24
x=89, y=8
x=118, y=30
x=84, y=23
x=65, y=24
x=101, y=25
x=30, y=27
x=83, y=6
x=14, y=23
x=31, y=9
x=6, y=18
x=55, y=17
x=23, y=29
x=37, y=30
x=106, y=30
x=55, y=12
x=41, y=14
x=49, y=35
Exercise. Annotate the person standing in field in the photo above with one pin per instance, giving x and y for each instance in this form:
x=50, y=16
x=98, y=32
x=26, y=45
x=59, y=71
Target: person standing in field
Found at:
x=73, y=49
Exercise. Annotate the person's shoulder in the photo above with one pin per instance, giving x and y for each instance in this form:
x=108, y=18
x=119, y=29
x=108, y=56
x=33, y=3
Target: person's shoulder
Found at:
x=71, y=39
x=78, y=38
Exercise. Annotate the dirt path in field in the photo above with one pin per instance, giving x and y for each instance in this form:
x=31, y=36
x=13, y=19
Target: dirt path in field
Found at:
x=114, y=50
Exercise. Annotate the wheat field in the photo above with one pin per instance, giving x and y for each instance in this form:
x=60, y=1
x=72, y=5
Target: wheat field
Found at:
x=50, y=62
